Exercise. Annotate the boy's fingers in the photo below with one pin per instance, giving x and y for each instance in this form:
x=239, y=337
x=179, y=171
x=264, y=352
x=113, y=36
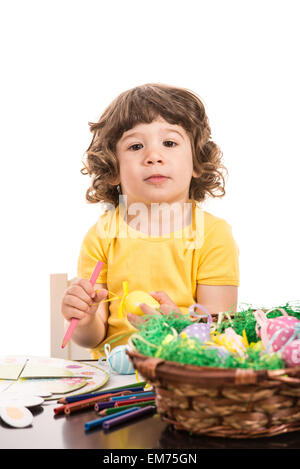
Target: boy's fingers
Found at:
x=86, y=285
x=100, y=295
x=78, y=292
x=168, y=309
x=147, y=309
x=135, y=321
x=162, y=297
x=78, y=303
x=71, y=312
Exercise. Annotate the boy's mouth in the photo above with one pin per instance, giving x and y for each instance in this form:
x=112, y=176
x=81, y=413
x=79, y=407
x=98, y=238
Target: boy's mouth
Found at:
x=156, y=178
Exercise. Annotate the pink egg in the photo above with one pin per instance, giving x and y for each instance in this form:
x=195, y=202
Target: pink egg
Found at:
x=286, y=326
x=291, y=353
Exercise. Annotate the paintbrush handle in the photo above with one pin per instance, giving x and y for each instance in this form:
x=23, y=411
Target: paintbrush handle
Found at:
x=74, y=321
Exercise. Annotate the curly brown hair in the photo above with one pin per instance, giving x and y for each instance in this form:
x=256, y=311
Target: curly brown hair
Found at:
x=144, y=104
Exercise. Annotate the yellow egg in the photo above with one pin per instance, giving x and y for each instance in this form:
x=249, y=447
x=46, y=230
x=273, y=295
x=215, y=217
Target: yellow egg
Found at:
x=133, y=300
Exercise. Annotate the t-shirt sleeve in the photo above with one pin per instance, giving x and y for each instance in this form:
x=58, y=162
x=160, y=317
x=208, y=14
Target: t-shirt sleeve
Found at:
x=93, y=249
x=219, y=257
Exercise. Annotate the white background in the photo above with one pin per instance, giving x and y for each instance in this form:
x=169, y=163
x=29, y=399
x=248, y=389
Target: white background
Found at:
x=62, y=63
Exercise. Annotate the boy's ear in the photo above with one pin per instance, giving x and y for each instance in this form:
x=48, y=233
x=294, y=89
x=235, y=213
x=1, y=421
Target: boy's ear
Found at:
x=196, y=174
x=116, y=182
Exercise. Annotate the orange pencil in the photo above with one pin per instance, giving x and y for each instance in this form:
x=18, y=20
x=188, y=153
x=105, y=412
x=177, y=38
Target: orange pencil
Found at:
x=133, y=401
x=74, y=321
x=68, y=408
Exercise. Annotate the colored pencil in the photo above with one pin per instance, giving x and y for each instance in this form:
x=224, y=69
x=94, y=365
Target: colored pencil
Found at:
x=75, y=406
x=113, y=410
x=106, y=405
x=74, y=321
x=119, y=419
x=98, y=422
x=87, y=402
x=132, y=401
x=132, y=396
x=80, y=397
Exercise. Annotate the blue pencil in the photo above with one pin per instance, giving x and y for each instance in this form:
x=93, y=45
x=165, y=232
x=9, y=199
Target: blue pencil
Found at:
x=118, y=419
x=129, y=396
x=98, y=422
x=81, y=397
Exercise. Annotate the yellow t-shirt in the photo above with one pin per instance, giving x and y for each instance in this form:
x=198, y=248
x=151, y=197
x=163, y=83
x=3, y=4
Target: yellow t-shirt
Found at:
x=203, y=252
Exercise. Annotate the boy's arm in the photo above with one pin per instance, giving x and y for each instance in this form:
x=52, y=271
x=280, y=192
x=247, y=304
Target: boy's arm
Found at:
x=217, y=298
x=95, y=332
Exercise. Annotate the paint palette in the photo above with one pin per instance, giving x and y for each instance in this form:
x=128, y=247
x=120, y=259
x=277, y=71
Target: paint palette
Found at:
x=18, y=417
x=15, y=399
x=49, y=378
x=27, y=382
x=47, y=387
x=11, y=367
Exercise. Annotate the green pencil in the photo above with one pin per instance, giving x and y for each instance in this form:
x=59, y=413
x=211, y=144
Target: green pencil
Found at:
x=133, y=385
x=114, y=410
x=119, y=388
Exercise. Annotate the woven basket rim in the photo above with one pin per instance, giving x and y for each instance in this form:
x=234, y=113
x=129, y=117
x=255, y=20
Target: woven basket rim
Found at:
x=168, y=369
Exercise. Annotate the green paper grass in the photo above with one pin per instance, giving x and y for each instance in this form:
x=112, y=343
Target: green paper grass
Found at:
x=157, y=328
x=245, y=320
x=152, y=334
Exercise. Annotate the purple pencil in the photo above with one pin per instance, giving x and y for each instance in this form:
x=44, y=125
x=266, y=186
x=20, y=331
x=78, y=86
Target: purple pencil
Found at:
x=127, y=417
x=104, y=405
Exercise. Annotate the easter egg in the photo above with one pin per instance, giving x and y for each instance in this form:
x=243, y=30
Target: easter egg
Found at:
x=133, y=300
x=232, y=342
x=198, y=331
x=283, y=327
x=118, y=360
x=222, y=352
x=291, y=353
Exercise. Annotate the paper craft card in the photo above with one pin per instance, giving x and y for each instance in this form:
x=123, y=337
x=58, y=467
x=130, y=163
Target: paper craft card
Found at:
x=38, y=370
x=95, y=379
x=51, y=377
x=4, y=385
x=11, y=367
x=41, y=367
x=47, y=387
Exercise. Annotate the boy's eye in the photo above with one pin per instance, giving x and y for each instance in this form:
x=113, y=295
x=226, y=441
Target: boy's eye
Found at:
x=134, y=146
x=170, y=144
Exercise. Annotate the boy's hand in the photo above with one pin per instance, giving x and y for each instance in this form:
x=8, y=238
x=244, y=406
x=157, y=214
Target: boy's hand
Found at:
x=166, y=307
x=81, y=301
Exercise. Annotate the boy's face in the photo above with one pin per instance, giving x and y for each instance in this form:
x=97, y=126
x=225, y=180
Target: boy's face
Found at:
x=156, y=148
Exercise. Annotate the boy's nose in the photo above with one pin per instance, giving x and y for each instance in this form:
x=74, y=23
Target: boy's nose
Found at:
x=154, y=156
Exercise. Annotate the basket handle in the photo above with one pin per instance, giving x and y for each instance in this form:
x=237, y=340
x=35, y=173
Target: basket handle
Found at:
x=147, y=367
x=278, y=375
x=245, y=376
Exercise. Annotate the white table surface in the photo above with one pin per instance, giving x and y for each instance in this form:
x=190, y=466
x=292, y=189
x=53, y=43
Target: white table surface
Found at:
x=115, y=380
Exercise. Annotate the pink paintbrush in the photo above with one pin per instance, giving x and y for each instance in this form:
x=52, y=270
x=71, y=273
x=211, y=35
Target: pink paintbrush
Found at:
x=74, y=321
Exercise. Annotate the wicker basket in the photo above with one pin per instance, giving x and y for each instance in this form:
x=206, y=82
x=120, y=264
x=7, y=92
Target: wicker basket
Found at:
x=232, y=403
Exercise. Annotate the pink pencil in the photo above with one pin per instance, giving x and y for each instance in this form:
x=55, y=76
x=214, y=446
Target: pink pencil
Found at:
x=74, y=321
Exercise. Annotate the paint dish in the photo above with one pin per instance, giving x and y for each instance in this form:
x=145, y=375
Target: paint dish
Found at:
x=14, y=399
x=18, y=417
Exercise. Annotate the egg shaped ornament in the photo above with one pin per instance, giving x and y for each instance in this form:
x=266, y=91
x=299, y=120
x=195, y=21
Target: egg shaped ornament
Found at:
x=199, y=330
x=275, y=332
x=291, y=353
x=279, y=330
x=135, y=298
x=222, y=352
x=117, y=360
